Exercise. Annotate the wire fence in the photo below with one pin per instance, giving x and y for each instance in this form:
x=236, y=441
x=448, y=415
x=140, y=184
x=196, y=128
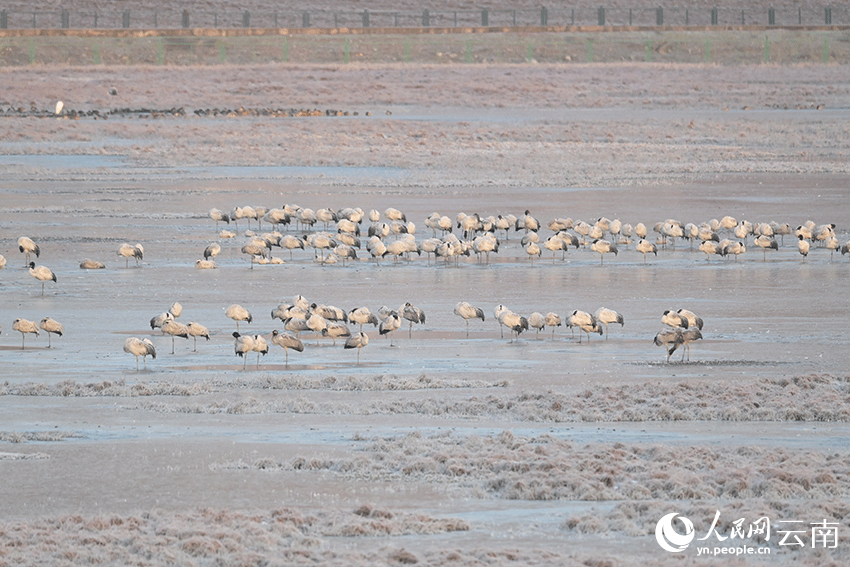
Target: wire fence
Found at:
x=487, y=17
x=725, y=48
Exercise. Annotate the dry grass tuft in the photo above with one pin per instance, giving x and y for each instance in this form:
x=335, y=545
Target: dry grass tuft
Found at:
x=549, y=468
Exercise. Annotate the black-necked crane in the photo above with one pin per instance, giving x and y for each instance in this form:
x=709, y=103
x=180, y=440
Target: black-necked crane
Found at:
x=307, y=217
x=235, y=214
x=710, y=247
x=361, y=315
x=291, y=243
x=3, y=262
x=197, y=330
x=346, y=226
x=140, y=347
x=242, y=345
x=51, y=326
x=128, y=251
x=693, y=319
x=260, y=346
x=824, y=232
x=175, y=329
x=412, y=314
x=358, y=341
x=689, y=335
x=345, y=252
x=845, y=248
x=238, y=313
x=743, y=230
x=532, y=249
x=640, y=230
x=728, y=223
x=503, y=223
x=395, y=215
x=286, y=341
x=553, y=320
x=645, y=247
x=603, y=247
x=527, y=222
x=429, y=246
x=212, y=251
x=24, y=327
x=674, y=319
x=89, y=264
x=326, y=217
x=217, y=216
x=296, y=325
x=348, y=239
x=42, y=273
x=555, y=243
x=585, y=322
x=277, y=217
x=832, y=245
x=256, y=250
x=201, y=264
x=468, y=311
x=317, y=324
x=733, y=248
x=389, y=325
x=765, y=242
x=670, y=339
x=159, y=320
x=497, y=313
x=484, y=245
x=515, y=322
x=607, y=316
x=537, y=321
x=336, y=330
x=27, y=246
x=320, y=241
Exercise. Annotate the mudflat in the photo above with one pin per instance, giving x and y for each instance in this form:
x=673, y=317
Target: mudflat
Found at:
x=441, y=445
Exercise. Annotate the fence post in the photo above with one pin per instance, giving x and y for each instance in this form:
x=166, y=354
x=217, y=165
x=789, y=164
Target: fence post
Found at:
x=365, y=18
x=125, y=19
x=154, y=20
x=485, y=17
x=185, y=18
x=714, y=16
x=771, y=17
x=687, y=20
x=659, y=16
x=66, y=19
x=246, y=19
x=544, y=16
x=630, y=16
x=305, y=19
x=95, y=20
x=827, y=16
x=4, y=20
x=742, y=17
x=426, y=18
x=601, y=15
x=799, y=16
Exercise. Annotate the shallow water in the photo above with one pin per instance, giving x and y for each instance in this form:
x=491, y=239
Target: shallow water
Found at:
x=167, y=437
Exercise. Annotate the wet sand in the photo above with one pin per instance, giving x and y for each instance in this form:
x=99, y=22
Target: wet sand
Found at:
x=442, y=448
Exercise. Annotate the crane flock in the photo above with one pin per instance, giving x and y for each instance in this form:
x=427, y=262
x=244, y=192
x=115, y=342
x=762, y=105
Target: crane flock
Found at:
x=390, y=234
